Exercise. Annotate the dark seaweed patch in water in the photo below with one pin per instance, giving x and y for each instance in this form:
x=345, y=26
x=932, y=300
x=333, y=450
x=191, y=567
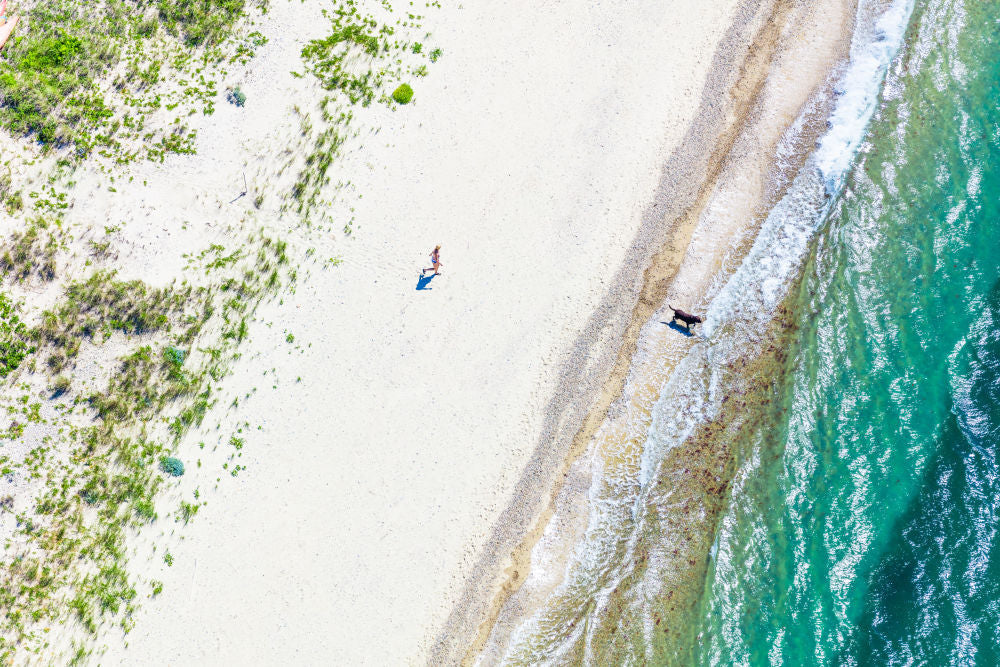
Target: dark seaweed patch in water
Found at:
x=688, y=496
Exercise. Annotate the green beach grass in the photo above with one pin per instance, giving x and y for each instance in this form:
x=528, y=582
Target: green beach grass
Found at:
x=103, y=84
x=101, y=475
x=54, y=73
x=360, y=62
x=72, y=544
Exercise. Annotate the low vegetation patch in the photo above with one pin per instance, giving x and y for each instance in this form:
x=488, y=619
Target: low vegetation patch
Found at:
x=354, y=64
x=403, y=94
x=15, y=338
x=49, y=68
x=172, y=466
x=54, y=76
x=10, y=199
x=60, y=385
x=236, y=96
x=31, y=253
x=200, y=22
x=71, y=556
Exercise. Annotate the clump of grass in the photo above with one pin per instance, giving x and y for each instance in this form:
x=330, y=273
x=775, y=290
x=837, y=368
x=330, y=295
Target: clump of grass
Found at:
x=60, y=385
x=403, y=94
x=188, y=511
x=12, y=202
x=236, y=96
x=354, y=36
x=350, y=63
x=172, y=466
x=31, y=252
x=102, y=304
x=353, y=63
x=10, y=199
x=314, y=175
x=201, y=22
x=106, y=591
x=100, y=249
x=56, y=361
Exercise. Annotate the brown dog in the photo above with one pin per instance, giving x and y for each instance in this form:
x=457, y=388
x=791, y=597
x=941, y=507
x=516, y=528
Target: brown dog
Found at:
x=687, y=318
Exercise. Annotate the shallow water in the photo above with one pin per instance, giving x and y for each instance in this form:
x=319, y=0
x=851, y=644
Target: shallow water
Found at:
x=841, y=508
x=869, y=535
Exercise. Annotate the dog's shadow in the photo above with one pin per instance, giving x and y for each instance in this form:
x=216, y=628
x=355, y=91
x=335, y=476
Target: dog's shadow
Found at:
x=678, y=328
x=423, y=282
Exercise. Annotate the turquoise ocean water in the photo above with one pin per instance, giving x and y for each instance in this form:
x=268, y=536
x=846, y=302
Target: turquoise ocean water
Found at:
x=871, y=535
x=861, y=523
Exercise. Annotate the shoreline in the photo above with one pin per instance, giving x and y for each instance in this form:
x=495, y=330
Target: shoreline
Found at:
x=339, y=507
x=405, y=443
x=662, y=266
x=654, y=257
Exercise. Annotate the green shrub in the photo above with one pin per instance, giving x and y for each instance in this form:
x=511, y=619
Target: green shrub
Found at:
x=173, y=360
x=403, y=94
x=236, y=96
x=15, y=338
x=172, y=466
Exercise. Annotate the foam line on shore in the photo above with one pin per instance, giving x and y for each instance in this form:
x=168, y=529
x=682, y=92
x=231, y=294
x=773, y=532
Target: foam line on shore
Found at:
x=738, y=73
x=859, y=93
x=762, y=278
x=784, y=238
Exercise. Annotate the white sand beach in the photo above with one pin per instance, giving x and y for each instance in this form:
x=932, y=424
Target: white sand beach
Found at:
x=529, y=154
x=389, y=446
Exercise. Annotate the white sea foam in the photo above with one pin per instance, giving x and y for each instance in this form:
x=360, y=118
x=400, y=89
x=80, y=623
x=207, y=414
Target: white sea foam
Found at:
x=858, y=92
x=745, y=303
x=785, y=235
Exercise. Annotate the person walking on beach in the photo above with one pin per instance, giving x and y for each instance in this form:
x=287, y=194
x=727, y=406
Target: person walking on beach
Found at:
x=435, y=262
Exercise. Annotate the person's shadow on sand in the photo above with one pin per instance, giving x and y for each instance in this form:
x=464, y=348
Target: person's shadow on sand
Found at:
x=423, y=282
x=676, y=327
